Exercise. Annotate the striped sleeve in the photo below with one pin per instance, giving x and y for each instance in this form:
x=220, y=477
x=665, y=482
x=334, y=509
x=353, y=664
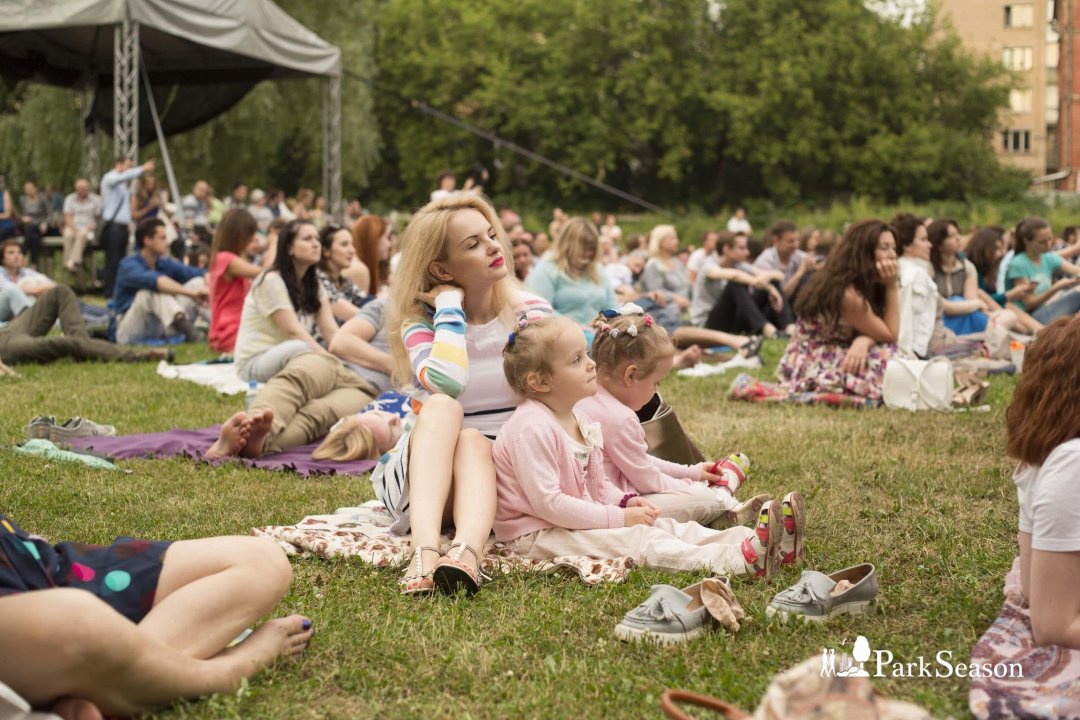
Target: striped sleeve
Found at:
x=532, y=306
x=437, y=350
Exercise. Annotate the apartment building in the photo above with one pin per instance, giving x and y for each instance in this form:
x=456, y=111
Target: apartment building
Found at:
x=1023, y=36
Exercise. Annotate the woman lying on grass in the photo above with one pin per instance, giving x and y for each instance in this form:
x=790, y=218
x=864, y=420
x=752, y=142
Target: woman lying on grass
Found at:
x=1044, y=435
x=90, y=630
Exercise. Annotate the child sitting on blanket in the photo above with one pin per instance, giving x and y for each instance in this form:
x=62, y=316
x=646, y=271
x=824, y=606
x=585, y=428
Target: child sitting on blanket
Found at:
x=633, y=354
x=553, y=496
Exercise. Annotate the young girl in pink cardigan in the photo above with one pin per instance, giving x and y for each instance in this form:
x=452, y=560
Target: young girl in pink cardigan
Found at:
x=553, y=496
x=630, y=363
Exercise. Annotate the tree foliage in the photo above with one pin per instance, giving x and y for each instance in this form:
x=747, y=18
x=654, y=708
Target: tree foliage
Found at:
x=687, y=103
x=692, y=101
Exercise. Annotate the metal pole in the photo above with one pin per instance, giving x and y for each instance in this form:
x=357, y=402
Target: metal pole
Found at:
x=126, y=90
x=332, y=145
x=91, y=150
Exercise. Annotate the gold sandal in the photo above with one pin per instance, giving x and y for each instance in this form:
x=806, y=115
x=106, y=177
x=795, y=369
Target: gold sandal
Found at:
x=451, y=574
x=416, y=581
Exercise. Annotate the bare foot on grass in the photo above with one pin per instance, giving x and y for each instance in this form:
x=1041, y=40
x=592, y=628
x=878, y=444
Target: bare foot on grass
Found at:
x=261, y=424
x=278, y=638
x=70, y=708
x=234, y=436
x=689, y=357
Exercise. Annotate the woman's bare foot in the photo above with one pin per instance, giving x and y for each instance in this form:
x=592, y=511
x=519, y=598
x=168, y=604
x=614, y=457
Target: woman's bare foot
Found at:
x=281, y=637
x=233, y=437
x=689, y=357
x=769, y=330
x=70, y=708
x=261, y=425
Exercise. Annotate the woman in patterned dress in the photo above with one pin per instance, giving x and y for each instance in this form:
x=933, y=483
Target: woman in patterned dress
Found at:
x=848, y=318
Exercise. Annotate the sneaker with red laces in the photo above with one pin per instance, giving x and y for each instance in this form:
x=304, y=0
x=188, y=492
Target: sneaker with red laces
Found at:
x=792, y=549
x=761, y=550
x=732, y=471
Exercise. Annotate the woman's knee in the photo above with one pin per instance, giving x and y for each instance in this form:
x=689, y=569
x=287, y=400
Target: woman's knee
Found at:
x=266, y=561
x=442, y=408
x=474, y=443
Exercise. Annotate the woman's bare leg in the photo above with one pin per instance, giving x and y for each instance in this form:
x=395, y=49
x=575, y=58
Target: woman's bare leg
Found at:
x=211, y=589
x=688, y=335
x=431, y=449
x=65, y=642
x=474, y=491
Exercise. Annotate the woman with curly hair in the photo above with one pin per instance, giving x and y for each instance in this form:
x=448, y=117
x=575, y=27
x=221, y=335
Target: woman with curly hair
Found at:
x=848, y=318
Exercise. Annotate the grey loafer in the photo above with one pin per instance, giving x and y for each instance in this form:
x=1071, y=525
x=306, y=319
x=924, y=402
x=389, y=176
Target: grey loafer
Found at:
x=818, y=597
x=78, y=427
x=670, y=615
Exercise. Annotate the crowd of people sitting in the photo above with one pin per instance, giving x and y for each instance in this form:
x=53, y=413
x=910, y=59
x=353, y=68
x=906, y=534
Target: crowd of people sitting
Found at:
x=525, y=358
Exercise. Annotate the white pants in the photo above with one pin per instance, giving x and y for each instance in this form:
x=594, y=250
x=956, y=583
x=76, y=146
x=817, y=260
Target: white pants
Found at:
x=697, y=503
x=667, y=545
x=74, y=246
x=152, y=313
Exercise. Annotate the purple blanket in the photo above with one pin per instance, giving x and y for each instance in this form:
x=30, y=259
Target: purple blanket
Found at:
x=193, y=443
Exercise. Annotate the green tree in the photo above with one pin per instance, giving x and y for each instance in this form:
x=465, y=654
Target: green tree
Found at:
x=689, y=101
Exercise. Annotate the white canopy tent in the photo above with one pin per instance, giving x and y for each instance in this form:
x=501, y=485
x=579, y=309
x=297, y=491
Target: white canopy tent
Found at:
x=204, y=55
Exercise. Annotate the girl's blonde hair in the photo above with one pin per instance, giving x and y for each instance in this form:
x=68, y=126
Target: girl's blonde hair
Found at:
x=656, y=237
x=616, y=344
x=529, y=351
x=344, y=444
x=568, y=250
x=423, y=242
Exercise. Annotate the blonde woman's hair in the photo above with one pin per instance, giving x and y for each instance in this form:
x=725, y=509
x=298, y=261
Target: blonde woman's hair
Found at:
x=343, y=444
x=568, y=250
x=657, y=235
x=529, y=351
x=614, y=347
x=423, y=242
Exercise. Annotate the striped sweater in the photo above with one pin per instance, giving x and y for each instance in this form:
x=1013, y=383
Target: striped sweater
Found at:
x=464, y=361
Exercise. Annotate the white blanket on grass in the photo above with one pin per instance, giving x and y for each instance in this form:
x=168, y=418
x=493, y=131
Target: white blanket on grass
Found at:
x=220, y=376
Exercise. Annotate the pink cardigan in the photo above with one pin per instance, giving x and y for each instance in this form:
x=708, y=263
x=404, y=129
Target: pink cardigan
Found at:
x=540, y=483
x=627, y=464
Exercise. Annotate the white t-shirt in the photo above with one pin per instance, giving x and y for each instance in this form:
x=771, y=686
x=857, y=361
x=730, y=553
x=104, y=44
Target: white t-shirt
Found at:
x=258, y=332
x=696, y=259
x=619, y=275
x=1049, y=494
x=738, y=225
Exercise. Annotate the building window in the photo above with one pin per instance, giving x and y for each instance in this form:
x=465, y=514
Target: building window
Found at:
x=1052, y=53
x=1020, y=101
x=1018, y=58
x=1051, y=101
x=1016, y=141
x=1019, y=16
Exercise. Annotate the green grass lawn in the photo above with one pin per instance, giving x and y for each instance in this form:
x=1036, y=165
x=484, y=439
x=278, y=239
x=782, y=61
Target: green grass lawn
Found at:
x=926, y=497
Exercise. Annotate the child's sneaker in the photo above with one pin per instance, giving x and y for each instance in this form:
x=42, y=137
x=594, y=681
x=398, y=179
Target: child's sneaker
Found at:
x=792, y=548
x=761, y=551
x=732, y=471
x=742, y=513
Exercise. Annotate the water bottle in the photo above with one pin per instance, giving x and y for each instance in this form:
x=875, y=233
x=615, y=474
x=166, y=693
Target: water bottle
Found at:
x=253, y=387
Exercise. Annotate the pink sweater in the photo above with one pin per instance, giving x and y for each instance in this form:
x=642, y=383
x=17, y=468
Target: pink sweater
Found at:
x=540, y=483
x=627, y=464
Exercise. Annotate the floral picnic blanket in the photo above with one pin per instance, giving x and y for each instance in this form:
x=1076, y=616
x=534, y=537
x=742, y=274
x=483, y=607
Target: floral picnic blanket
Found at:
x=749, y=389
x=362, y=533
x=1050, y=686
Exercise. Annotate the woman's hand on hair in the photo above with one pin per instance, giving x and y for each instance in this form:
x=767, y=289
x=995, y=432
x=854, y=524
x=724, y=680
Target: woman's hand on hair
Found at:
x=429, y=296
x=888, y=271
x=854, y=361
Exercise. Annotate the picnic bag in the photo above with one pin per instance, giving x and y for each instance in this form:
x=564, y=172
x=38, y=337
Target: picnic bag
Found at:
x=918, y=384
x=667, y=439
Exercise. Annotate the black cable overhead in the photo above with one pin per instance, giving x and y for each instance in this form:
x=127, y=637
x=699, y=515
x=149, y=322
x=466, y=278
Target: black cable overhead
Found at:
x=501, y=142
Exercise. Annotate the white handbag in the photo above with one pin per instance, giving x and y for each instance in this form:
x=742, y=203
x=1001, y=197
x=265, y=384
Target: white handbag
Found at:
x=918, y=384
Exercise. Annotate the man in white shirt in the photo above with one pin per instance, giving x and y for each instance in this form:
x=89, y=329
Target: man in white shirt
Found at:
x=82, y=209
x=785, y=257
x=116, y=212
x=697, y=258
x=739, y=224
